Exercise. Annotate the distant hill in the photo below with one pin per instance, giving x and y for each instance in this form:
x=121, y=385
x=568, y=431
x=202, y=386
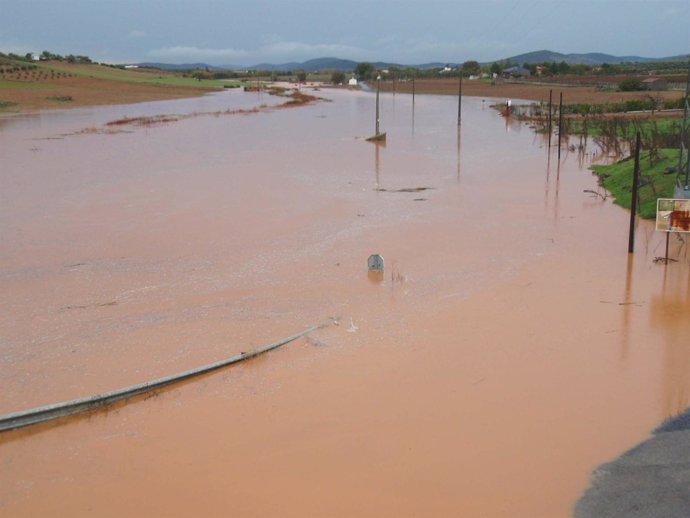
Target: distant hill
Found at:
x=343, y=65
x=312, y=65
x=592, y=58
x=347, y=65
x=183, y=66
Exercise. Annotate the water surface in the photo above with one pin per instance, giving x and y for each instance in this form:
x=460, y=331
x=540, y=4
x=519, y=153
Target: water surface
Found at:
x=511, y=346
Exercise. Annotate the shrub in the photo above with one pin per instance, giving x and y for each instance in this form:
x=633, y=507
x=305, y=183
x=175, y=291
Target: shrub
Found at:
x=337, y=78
x=631, y=84
x=61, y=98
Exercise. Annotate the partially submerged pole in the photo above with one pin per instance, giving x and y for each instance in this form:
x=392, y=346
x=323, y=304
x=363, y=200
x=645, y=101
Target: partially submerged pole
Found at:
x=378, y=135
x=633, y=202
x=684, y=155
x=560, y=125
x=460, y=98
x=549, y=128
x=378, y=88
x=668, y=234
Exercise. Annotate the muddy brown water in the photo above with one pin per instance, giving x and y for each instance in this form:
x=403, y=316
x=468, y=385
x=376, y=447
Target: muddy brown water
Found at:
x=510, y=346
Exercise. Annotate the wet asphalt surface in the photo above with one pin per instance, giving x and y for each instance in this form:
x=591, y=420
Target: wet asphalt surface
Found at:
x=652, y=480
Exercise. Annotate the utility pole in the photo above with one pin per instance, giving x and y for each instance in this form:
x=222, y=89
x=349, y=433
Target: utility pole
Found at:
x=683, y=179
x=550, y=129
x=460, y=97
x=633, y=201
x=414, y=75
x=378, y=88
x=560, y=125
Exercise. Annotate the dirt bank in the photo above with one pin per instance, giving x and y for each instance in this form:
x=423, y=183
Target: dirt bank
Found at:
x=72, y=92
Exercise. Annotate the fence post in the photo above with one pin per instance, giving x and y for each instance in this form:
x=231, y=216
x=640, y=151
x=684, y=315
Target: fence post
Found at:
x=633, y=202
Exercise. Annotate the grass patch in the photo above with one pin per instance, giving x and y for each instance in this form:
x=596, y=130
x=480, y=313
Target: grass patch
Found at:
x=655, y=181
x=8, y=84
x=61, y=98
x=626, y=128
x=648, y=104
x=134, y=75
x=4, y=105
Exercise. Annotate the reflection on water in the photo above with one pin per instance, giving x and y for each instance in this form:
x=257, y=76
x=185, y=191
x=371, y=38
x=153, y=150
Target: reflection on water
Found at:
x=458, y=156
x=378, y=144
x=549, y=196
x=669, y=313
x=627, y=308
x=375, y=276
x=413, y=114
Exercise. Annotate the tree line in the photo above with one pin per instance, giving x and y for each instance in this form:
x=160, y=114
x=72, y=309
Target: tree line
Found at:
x=47, y=56
x=367, y=71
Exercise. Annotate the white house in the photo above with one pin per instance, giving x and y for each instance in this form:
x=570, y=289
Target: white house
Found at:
x=352, y=81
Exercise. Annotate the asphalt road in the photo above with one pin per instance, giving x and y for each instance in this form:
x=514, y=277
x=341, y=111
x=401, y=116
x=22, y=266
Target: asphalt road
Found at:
x=652, y=480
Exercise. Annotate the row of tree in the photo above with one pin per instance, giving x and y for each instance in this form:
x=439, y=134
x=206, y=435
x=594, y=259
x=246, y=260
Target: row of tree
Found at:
x=47, y=56
x=366, y=71
x=69, y=58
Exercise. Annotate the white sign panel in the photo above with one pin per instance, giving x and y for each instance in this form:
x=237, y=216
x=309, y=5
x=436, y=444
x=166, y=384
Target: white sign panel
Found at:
x=672, y=215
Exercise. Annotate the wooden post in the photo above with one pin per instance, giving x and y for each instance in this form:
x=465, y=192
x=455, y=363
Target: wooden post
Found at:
x=413, y=77
x=633, y=202
x=378, y=85
x=460, y=99
x=666, y=256
x=378, y=136
x=550, y=129
x=560, y=125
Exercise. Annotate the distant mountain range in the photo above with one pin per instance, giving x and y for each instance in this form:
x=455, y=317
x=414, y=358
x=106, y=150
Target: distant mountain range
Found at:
x=592, y=58
x=346, y=65
x=313, y=65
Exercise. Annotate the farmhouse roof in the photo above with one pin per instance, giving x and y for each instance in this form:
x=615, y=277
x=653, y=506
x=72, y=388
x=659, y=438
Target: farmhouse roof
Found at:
x=516, y=69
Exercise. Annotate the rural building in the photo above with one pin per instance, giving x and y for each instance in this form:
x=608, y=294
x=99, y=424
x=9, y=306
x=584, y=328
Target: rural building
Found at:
x=352, y=81
x=516, y=72
x=655, y=84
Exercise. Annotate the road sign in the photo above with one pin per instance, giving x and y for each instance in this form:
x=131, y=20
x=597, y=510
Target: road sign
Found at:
x=672, y=215
x=375, y=263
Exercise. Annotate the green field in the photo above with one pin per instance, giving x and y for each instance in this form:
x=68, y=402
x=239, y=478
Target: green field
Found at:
x=135, y=75
x=6, y=84
x=654, y=182
x=9, y=79
x=625, y=128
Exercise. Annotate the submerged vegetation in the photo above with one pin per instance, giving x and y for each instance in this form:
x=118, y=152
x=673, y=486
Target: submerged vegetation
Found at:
x=615, y=133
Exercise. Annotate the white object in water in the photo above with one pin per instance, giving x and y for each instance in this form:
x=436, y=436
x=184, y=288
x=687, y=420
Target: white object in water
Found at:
x=353, y=328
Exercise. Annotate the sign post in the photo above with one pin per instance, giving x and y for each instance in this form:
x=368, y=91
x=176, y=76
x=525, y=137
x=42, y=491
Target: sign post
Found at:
x=672, y=215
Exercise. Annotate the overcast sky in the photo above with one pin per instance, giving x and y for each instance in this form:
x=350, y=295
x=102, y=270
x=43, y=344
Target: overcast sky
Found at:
x=248, y=32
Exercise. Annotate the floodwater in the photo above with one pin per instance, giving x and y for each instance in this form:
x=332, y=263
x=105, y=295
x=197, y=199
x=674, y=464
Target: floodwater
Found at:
x=510, y=347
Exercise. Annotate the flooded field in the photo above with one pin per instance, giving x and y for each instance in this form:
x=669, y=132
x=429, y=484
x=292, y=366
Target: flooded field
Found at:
x=510, y=346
